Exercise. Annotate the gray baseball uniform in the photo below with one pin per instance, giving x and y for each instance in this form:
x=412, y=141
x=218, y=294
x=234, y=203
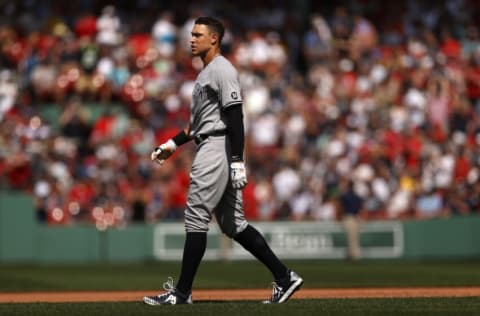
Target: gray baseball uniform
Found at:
x=216, y=88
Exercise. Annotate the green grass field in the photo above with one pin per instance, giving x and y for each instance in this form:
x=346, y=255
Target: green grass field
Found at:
x=329, y=307
x=249, y=274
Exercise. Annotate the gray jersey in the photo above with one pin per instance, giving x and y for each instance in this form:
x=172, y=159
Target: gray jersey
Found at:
x=216, y=88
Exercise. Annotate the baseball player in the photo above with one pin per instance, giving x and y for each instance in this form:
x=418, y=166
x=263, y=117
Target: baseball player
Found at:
x=218, y=171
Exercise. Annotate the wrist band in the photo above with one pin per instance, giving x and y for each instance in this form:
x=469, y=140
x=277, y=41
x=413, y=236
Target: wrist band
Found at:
x=181, y=138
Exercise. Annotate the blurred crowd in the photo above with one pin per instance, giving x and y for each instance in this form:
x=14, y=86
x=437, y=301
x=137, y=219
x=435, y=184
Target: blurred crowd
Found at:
x=384, y=95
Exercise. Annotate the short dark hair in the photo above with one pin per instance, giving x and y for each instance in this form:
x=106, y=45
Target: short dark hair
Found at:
x=213, y=25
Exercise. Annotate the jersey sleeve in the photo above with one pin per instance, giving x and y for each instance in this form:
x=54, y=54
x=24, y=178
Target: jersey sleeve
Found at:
x=229, y=87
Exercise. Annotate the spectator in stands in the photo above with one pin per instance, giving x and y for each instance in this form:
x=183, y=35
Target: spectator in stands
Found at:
x=317, y=42
x=8, y=92
x=428, y=204
x=109, y=27
x=164, y=33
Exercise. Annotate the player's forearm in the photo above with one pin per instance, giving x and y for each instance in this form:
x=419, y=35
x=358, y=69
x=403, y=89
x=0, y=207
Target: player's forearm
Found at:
x=235, y=131
x=182, y=137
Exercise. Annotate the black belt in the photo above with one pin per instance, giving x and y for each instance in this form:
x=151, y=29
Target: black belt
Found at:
x=201, y=137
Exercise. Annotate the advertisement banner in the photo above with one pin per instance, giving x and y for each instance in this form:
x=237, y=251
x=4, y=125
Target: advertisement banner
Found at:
x=289, y=240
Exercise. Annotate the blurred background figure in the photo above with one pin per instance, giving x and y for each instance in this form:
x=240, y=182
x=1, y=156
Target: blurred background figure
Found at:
x=8, y=92
x=109, y=27
x=164, y=33
x=351, y=205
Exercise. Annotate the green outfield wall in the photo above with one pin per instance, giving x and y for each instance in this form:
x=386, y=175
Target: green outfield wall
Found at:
x=17, y=227
x=22, y=239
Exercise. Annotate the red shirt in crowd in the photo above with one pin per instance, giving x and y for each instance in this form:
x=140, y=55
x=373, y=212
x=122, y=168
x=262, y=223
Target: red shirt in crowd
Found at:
x=86, y=26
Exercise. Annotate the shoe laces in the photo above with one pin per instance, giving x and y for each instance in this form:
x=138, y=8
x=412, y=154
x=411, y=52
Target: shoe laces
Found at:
x=168, y=287
x=276, y=291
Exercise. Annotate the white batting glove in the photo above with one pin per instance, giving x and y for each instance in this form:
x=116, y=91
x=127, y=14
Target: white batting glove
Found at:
x=162, y=152
x=238, y=174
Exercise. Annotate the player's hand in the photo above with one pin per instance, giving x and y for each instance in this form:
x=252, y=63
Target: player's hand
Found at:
x=238, y=174
x=163, y=152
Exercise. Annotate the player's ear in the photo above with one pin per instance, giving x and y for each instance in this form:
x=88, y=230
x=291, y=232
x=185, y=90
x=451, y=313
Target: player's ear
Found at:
x=214, y=38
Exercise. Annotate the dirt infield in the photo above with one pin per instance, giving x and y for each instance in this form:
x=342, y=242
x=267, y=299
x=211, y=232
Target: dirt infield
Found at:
x=244, y=294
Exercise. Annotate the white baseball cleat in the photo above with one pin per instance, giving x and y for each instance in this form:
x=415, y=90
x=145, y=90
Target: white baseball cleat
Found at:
x=171, y=297
x=281, y=293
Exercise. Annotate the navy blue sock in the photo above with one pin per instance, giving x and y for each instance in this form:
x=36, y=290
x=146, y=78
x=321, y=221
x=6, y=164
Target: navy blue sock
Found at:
x=193, y=250
x=254, y=242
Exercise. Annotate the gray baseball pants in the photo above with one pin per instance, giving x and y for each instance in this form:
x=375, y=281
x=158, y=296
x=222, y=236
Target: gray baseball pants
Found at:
x=211, y=191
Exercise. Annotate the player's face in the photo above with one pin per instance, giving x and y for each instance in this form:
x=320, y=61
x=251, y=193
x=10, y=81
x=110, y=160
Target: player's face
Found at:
x=202, y=40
